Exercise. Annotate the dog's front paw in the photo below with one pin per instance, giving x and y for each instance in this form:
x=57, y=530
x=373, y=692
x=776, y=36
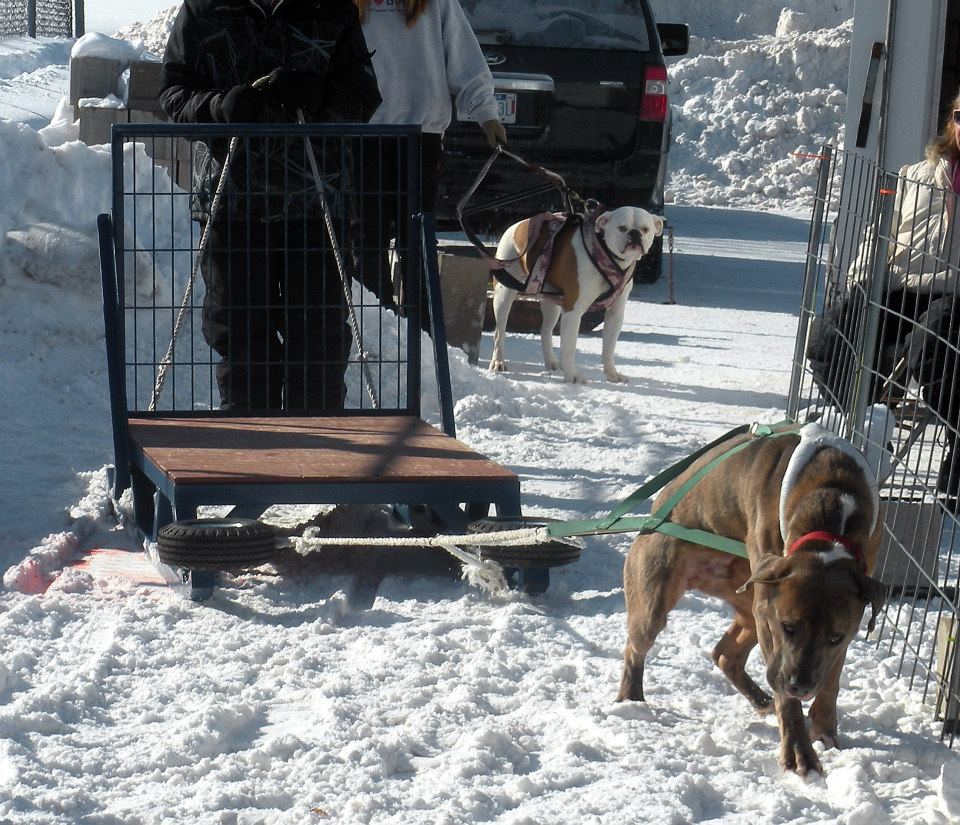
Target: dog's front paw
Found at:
x=615, y=377
x=498, y=365
x=826, y=735
x=797, y=755
x=823, y=721
x=552, y=364
x=762, y=703
x=574, y=378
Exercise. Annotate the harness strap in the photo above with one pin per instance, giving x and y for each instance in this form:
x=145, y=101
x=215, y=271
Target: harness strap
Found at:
x=617, y=520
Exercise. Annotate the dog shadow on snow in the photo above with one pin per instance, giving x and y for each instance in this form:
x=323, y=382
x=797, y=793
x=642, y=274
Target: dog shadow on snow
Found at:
x=641, y=385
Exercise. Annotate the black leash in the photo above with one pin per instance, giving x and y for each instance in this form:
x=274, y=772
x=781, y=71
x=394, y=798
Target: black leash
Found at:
x=553, y=182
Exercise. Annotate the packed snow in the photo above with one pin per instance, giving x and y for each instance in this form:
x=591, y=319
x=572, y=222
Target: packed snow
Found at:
x=282, y=700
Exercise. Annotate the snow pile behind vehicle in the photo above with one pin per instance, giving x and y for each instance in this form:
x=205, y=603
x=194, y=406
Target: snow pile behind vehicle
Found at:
x=749, y=113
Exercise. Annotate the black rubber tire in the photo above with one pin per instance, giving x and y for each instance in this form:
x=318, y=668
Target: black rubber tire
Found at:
x=650, y=267
x=216, y=543
x=551, y=554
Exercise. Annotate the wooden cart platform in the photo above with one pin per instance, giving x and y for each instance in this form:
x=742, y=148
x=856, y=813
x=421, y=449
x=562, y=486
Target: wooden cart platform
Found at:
x=253, y=463
x=362, y=450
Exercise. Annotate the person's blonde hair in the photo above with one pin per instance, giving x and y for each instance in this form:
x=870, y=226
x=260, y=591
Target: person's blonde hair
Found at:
x=945, y=143
x=412, y=9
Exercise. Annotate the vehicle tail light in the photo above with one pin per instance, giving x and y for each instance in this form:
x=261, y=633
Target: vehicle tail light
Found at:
x=654, y=103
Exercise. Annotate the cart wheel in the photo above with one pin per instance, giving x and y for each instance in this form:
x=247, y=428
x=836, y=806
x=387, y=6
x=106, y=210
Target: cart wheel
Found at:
x=553, y=553
x=216, y=544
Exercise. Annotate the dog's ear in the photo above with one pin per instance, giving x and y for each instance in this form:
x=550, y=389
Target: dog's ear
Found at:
x=874, y=593
x=601, y=221
x=658, y=224
x=768, y=570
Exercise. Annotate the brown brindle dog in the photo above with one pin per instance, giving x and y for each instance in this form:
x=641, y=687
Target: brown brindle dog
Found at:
x=802, y=593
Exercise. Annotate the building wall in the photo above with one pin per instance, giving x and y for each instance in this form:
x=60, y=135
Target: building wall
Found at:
x=914, y=78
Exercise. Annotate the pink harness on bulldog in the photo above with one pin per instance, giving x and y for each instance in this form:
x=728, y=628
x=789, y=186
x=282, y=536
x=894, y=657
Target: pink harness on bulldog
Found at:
x=543, y=231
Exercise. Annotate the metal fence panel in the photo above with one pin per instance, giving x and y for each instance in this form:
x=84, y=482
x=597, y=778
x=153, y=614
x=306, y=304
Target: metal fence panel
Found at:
x=233, y=264
x=44, y=18
x=13, y=18
x=877, y=361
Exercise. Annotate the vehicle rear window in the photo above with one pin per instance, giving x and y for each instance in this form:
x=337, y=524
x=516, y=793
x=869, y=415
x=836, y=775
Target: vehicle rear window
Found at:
x=588, y=24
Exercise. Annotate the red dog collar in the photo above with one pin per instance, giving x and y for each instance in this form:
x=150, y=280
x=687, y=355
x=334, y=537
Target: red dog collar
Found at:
x=822, y=535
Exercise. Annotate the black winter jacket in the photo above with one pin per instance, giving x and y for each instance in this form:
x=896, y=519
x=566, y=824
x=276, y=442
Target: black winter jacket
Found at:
x=218, y=44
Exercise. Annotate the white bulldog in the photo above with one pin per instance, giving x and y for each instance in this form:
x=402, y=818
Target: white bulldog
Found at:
x=592, y=263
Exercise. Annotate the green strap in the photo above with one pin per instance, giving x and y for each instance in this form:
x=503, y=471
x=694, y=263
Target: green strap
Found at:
x=579, y=527
x=617, y=521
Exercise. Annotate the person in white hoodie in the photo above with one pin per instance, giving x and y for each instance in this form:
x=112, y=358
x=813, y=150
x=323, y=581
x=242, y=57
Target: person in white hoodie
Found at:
x=424, y=54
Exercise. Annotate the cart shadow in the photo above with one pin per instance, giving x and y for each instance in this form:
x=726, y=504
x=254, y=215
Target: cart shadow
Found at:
x=356, y=572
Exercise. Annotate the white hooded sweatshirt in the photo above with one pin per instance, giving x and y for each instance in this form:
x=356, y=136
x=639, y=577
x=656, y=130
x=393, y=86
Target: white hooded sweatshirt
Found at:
x=419, y=68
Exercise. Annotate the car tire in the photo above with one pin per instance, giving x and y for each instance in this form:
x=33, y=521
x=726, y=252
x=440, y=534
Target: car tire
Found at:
x=650, y=267
x=216, y=544
x=549, y=554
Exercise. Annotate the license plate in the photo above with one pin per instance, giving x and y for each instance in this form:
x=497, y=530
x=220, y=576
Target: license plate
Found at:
x=506, y=106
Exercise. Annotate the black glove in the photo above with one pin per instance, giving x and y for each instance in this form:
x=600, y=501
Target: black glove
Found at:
x=243, y=104
x=296, y=89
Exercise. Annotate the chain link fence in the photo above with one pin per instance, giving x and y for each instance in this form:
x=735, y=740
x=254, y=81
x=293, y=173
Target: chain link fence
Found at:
x=41, y=18
x=877, y=361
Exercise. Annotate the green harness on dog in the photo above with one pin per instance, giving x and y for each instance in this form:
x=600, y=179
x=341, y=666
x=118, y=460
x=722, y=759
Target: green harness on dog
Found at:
x=619, y=519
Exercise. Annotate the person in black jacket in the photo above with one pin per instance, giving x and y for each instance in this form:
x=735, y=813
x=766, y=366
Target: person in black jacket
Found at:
x=274, y=307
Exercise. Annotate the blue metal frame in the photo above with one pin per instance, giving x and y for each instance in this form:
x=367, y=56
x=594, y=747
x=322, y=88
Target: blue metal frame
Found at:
x=428, y=239
x=113, y=332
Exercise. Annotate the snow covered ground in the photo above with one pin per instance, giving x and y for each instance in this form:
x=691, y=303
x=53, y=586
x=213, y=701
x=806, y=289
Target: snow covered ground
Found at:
x=277, y=702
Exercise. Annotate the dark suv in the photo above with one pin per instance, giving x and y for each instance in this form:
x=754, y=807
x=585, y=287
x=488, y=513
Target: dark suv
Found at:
x=582, y=88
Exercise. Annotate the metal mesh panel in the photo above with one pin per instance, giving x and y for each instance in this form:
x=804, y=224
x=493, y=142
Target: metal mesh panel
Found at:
x=233, y=264
x=13, y=18
x=51, y=18
x=877, y=360
x=55, y=18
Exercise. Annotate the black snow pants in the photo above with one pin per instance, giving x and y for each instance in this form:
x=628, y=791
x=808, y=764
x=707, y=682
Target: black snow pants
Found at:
x=274, y=311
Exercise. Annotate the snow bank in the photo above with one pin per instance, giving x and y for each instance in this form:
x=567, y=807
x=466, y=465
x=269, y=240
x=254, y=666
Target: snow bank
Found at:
x=153, y=33
x=21, y=55
x=746, y=113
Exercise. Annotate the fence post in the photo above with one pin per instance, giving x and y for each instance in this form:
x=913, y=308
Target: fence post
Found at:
x=78, y=21
x=875, y=288
x=31, y=18
x=809, y=281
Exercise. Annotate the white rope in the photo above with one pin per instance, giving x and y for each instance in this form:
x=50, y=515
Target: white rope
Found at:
x=482, y=573
x=312, y=539
x=477, y=571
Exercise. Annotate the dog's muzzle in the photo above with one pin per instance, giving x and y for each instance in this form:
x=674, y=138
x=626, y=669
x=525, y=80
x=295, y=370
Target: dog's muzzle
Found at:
x=635, y=238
